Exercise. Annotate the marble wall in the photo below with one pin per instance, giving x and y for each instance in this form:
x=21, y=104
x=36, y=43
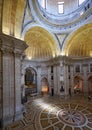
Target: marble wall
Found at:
x=64, y=72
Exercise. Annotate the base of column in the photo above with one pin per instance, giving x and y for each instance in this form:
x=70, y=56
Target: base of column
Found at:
x=18, y=116
x=7, y=120
x=10, y=119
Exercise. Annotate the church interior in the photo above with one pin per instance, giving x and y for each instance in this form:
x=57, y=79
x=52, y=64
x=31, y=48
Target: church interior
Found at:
x=46, y=64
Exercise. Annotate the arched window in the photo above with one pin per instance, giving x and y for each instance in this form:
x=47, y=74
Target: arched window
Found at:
x=43, y=3
x=81, y=1
x=60, y=7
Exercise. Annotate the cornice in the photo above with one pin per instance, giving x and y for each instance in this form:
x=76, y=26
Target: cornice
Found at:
x=12, y=43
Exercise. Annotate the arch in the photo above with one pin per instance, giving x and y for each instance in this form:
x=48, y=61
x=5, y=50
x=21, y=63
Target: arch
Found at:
x=31, y=79
x=78, y=84
x=32, y=25
x=44, y=85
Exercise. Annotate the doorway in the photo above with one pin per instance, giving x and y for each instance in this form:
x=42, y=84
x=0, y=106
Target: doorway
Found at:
x=44, y=86
x=31, y=80
x=78, y=84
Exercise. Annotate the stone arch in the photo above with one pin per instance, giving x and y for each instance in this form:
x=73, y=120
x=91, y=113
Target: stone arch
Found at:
x=78, y=84
x=44, y=85
x=31, y=79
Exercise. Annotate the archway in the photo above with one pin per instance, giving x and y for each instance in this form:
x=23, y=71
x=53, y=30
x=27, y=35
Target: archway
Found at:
x=90, y=85
x=78, y=84
x=31, y=80
x=44, y=86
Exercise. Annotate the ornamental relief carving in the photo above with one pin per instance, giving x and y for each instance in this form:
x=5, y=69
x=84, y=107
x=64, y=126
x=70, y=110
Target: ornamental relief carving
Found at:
x=6, y=51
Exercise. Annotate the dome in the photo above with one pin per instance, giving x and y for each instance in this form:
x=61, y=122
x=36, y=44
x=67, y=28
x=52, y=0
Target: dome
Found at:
x=60, y=7
x=61, y=15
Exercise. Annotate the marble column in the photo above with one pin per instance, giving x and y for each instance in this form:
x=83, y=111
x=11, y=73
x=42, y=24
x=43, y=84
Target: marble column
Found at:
x=72, y=78
x=66, y=80
x=1, y=11
x=8, y=87
x=17, y=88
x=39, y=87
x=49, y=79
x=1, y=103
x=85, y=86
x=56, y=79
x=11, y=50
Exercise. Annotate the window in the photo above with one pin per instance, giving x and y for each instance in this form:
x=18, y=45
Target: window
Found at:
x=51, y=69
x=91, y=68
x=77, y=68
x=52, y=77
x=81, y=1
x=61, y=7
x=43, y=4
x=68, y=68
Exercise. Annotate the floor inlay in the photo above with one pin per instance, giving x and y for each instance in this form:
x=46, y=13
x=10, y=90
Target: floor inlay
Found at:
x=49, y=113
x=72, y=117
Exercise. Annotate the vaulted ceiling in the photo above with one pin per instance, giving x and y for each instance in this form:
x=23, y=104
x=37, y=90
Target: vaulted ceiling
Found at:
x=79, y=43
x=41, y=42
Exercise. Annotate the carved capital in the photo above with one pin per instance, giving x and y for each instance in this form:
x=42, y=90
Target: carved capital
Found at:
x=6, y=51
x=17, y=54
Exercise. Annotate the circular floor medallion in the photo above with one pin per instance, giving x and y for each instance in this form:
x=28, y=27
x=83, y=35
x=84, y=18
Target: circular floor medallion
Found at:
x=72, y=117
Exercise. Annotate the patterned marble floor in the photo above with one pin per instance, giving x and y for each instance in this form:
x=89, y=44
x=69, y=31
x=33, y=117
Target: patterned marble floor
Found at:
x=56, y=113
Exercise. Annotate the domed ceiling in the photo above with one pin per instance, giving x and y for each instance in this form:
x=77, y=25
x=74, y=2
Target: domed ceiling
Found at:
x=18, y=16
x=61, y=16
x=51, y=6
x=80, y=43
x=41, y=44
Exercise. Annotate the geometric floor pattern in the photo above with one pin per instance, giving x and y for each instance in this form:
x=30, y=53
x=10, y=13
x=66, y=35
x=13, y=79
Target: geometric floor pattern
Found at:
x=56, y=113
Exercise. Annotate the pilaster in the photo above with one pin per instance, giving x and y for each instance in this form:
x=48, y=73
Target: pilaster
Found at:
x=66, y=79
x=11, y=50
x=72, y=78
x=85, y=86
x=17, y=86
x=8, y=86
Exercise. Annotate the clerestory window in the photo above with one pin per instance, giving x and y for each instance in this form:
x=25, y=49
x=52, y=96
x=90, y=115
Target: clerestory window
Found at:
x=60, y=7
x=81, y=1
x=90, y=67
x=43, y=4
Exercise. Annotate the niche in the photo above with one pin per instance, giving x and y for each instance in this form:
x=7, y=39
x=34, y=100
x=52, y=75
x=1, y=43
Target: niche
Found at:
x=31, y=79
